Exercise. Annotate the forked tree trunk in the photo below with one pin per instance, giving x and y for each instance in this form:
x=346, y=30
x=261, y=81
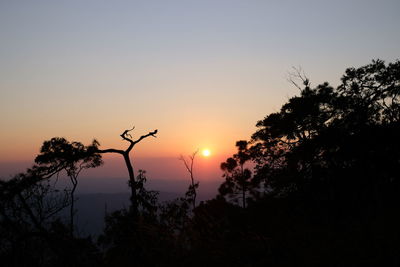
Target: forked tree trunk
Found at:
x=132, y=183
x=134, y=208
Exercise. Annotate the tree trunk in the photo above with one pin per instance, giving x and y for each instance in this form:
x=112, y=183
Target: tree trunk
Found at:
x=134, y=208
x=244, y=197
x=74, y=182
x=132, y=184
x=194, y=192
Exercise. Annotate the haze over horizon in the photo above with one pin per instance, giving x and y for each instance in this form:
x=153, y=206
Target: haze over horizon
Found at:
x=168, y=175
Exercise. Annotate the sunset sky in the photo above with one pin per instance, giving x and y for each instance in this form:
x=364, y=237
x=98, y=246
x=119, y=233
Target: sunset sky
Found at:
x=201, y=72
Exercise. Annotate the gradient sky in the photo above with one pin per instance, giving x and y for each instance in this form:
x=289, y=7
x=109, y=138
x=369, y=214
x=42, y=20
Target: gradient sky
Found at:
x=202, y=72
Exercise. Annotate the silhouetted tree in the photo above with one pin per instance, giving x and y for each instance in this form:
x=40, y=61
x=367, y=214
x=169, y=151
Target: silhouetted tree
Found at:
x=147, y=199
x=140, y=238
x=324, y=192
x=333, y=155
x=74, y=157
x=237, y=177
x=125, y=153
x=191, y=193
x=325, y=129
x=28, y=205
x=30, y=202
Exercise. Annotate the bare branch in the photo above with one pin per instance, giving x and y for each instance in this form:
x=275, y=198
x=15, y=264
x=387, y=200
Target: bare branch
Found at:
x=153, y=133
x=194, y=154
x=126, y=133
x=185, y=163
x=192, y=161
x=125, y=153
x=111, y=150
x=298, y=74
x=192, y=188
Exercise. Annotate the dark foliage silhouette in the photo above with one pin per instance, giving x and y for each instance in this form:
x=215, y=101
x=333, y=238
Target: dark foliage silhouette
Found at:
x=74, y=157
x=136, y=238
x=328, y=165
x=333, y=154
x=317, y=185
x=32, y=233
x=238, y=179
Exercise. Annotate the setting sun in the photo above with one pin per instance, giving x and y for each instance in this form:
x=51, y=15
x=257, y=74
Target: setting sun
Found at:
x=206, y=152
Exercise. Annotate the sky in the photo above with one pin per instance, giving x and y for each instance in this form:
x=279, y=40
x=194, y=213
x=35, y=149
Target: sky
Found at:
x=201, y=72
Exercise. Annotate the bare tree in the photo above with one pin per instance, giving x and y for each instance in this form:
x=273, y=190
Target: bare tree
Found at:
x=125, y=153
x=191, y=193
x=297, y=75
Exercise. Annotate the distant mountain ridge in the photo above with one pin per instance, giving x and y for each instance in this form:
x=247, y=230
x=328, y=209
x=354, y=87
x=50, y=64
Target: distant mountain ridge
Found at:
x=91, y=208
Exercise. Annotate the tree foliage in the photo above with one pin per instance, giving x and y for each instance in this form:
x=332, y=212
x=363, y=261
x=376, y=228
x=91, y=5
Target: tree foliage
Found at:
x=322, y=175
x=238, y=182
x=337, y=139
x=329, y=161
x=32, y=230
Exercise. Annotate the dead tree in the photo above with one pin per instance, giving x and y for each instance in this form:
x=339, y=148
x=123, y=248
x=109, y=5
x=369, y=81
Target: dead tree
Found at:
x=125, y=153
x=191, y=193
x=298, y=74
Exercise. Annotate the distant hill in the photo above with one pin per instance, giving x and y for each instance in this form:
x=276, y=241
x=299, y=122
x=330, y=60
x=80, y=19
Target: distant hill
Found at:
x=88, y=185
x=91, y=208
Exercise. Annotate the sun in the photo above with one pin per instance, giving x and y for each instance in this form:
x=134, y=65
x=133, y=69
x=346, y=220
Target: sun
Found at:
x=206, y=152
